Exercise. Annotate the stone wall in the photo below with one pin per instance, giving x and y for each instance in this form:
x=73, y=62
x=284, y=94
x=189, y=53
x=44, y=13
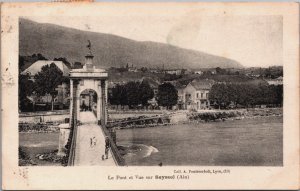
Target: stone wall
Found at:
x=40, y=117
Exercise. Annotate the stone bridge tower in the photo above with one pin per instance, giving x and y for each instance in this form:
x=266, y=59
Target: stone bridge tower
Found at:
x=88, y=78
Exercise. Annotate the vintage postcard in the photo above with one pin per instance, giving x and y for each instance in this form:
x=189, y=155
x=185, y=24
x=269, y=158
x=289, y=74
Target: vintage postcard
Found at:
x=150, y=95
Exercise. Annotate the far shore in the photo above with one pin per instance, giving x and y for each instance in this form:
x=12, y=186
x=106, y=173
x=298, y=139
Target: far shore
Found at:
x=201, y=116
x=204, y=116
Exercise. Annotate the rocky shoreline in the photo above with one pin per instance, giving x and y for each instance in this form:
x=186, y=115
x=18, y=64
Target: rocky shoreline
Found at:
x=217, y=116
x=48, y=158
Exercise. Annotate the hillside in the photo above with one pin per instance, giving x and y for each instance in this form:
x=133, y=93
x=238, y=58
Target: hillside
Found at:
x=110, y=50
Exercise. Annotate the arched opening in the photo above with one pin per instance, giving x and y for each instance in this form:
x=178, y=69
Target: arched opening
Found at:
x=88, y=106
x=88, y=100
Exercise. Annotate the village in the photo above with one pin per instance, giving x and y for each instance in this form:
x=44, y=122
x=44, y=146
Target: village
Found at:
x=49, y=102
x=156, y=89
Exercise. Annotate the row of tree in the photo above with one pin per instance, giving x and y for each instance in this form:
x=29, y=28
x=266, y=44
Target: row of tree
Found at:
x=132, y=94
x=247, y=95
x=136, y=94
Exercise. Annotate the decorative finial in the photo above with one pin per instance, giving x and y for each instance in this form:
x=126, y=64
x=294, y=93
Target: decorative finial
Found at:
x=89, y=46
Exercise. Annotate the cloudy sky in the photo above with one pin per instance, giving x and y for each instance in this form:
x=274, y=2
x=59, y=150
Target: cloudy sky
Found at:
x=250, y=40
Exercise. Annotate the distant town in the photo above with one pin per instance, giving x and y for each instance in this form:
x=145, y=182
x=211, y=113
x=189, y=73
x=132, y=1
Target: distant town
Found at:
x=44, y=86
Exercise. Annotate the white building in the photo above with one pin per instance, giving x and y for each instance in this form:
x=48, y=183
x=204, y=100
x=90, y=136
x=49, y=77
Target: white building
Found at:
x=37, y=67
x=195, y=95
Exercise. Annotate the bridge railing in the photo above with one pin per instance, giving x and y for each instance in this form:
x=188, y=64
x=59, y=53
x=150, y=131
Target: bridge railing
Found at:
x=71, y=159
x=114, y=149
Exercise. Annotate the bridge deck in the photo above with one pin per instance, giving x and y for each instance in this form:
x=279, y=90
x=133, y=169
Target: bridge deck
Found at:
x=90, y=143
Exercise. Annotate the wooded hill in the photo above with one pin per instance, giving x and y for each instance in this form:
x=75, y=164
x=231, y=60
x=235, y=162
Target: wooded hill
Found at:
x=55, y=41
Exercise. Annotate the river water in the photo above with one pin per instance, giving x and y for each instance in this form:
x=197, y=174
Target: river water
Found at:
x=247, y=142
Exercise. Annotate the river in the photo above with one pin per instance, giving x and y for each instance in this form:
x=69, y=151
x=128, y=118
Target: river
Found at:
x=247, y=142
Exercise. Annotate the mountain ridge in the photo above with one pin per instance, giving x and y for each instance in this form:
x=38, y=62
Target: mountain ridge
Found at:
x=110, y=50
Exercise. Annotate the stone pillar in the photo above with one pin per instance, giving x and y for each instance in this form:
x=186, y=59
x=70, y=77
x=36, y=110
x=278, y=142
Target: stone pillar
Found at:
x=71, y=104
x=75, y=106
x=103, y=103
x=78, y=103
x=99, y=104
x=64, y=132
x=106, y=100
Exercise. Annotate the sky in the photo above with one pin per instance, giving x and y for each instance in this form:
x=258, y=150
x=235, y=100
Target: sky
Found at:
x=254, y=41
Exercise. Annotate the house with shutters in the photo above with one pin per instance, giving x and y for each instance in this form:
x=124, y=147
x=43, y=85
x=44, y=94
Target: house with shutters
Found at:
x=195, y=95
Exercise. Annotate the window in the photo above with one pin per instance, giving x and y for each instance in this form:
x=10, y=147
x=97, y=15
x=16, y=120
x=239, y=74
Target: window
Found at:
x=197, y=95
x=201, y=95
x=188, y=98
x=206, y=95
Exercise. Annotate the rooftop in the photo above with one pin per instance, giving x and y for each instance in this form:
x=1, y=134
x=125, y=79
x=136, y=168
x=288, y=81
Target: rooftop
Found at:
x=202, y=84
x=37, y=67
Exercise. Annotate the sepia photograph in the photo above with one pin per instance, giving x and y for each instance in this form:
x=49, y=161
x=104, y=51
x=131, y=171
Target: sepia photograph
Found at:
x=90, y=94
x=150, y=95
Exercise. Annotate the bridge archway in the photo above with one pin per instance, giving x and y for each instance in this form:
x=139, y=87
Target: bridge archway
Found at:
x=88, y=79
x=88, y=100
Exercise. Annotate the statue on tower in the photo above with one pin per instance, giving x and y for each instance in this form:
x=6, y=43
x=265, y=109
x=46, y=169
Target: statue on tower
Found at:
x=89, y=57
x=89, y=46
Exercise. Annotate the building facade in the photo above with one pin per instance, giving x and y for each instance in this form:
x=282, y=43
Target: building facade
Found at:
x=195, y=96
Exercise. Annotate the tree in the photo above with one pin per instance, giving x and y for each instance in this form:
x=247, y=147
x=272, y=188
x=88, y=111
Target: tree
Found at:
x=47, y=81
x=132, y=89
x=38, y=56
x=219, y=93
x=279, y=95
x=220, y=70
x=144, y=69
x=26, y=88
x=167, y=95
x=145, y=93
x=118, y=95
x=246, y=94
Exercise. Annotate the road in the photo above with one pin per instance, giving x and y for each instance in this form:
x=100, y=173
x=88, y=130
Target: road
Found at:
x=90, y=143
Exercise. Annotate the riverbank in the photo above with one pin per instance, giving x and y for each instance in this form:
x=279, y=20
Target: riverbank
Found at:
x=223, y=115
x=38, y=157
x=39, y=149
x=203, y=116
